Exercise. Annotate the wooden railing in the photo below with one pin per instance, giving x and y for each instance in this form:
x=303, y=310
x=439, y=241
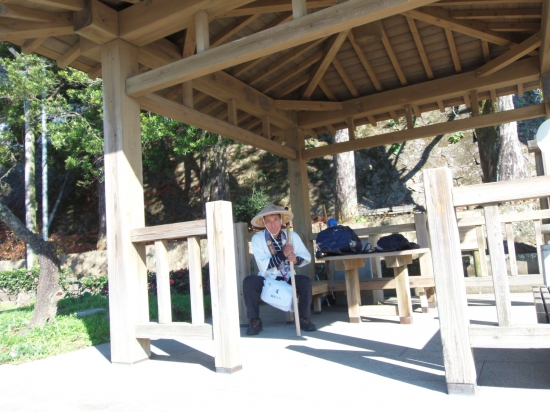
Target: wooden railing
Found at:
x=218, y=227
x=457, y=335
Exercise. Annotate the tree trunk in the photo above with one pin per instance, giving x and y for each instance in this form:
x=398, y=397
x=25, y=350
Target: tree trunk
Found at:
x=49, y=292
x=488, y=143
x=102, y=233
x=30, y=184
x=345, y=190
x=511, y=163
x=214, y=178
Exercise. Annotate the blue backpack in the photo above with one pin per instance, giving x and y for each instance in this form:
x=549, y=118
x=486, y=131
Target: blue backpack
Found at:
x=337, y=240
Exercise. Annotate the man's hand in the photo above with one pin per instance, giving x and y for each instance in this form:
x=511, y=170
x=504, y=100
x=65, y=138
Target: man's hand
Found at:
x=288, y=251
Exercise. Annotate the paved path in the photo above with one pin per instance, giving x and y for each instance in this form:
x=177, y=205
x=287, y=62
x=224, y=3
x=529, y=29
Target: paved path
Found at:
x=369, y=366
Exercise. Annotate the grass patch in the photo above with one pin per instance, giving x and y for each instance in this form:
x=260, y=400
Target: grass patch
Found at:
x=68, y=332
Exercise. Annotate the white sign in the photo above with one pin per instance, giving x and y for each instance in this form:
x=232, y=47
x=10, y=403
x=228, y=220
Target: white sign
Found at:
x=543, y=136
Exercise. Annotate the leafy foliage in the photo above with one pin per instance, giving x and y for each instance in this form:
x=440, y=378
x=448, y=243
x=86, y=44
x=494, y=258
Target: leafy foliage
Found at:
x=456, y=137
x=26, y=280
x=247, y=206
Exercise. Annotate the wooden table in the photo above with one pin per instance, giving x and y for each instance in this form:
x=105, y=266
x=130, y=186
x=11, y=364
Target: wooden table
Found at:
x=396, y=260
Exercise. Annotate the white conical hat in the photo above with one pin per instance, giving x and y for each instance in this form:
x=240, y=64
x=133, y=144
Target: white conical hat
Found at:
x=271, y=209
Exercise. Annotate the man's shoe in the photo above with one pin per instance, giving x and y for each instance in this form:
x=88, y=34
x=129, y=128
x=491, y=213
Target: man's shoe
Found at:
x=305, y=324
x=254, y=327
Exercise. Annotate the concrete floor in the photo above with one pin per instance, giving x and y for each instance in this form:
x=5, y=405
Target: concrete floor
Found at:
x=376, y=364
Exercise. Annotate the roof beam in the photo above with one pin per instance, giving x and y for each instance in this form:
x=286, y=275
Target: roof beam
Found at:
x=453, y=50
x=477, y=29
x=345, y=76
x=526, y=70
x=96, y=22
x=72, y=5
x=420, y=48
x=365, y=62
x=320, y=69
x=179, y=112
x=274, y=6
x=510, y=56
x=393, y=58
x=148, y=21
x=23, y=13
x=323, y=23
x=14, y=29
x=495, y=14
x=299, y=105
x=529, y=112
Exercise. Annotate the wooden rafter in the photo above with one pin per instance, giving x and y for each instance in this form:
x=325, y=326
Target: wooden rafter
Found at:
x=345, y=76
x=168, y=108
x=453, y=49
x=335, y=19
x=524, y=113
x=365, y=62
x=510, y=56
x=420, y=48
x=477, y=29
x=232, y=29
x=71, y=5
x=32, y=44
x=526, y=70
x=273, y=6
x=299, y=82
x=486, y=51
x=14, y=29
x=495, y=14
x=70, y=56
x=393, y=58
x=299, y=105
x=310, y=61
x=23, y=13
x=321, y=67
x=326, y=90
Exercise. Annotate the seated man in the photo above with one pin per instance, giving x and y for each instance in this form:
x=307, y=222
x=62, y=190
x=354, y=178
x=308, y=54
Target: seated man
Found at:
x=273, y=255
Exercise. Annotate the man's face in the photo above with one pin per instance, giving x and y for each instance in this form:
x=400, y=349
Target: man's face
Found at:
x=273, y=223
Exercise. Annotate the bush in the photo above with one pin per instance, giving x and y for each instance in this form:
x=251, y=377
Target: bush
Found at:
x=15, y=281
x=94, y=284
x=247, y=206
x=179, y=281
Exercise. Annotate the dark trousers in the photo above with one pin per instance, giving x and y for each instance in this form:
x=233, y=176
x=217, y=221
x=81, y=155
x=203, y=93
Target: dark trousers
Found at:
x=252, y=289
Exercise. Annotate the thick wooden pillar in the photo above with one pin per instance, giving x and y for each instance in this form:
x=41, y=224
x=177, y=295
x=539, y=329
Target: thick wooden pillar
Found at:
x=545, y=79
x=124, y=204
x=223, y=286
x=299, y=197
x=460, y=371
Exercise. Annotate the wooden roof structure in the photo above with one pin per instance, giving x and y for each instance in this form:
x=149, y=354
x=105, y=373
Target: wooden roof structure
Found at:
x=250, y=70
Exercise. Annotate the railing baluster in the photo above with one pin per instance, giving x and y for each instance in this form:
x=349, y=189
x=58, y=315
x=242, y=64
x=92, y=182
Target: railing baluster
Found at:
x=195, y=279
x=163, y=282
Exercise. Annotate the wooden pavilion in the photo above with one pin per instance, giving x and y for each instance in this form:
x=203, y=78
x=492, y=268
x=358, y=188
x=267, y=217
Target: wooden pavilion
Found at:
x=269, y=73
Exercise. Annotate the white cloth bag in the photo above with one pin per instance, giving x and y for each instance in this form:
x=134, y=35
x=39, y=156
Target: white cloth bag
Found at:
x=278, y=293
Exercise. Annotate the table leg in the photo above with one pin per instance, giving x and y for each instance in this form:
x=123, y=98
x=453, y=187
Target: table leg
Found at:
x=354, y=295
x=403, y=291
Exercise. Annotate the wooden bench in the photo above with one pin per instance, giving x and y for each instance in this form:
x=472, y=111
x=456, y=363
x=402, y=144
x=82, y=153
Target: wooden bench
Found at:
x=542, y=303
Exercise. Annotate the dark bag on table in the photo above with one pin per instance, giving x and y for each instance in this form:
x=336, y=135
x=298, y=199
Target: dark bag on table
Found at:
x=394, y=242
x=337, y=240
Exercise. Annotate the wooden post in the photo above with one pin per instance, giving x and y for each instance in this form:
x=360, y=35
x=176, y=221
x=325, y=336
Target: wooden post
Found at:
x=474, y=102
x=242, y=260
x=425, y=260
x=223, y=286
x=408, y=116
x=481, y=250
x=202, y=32
x=195, y=280
x=299, y=196
x=266, y=127
x=498, y=265
x=351, y=128
x=124, y=204
x=376, y=267
x=511, y=249
x=539, y=242
x=460, y=371
x=163, y=282
x=299, y=8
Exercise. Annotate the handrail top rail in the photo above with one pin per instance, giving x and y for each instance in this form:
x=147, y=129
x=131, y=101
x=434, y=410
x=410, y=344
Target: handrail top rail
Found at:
x=168, y=232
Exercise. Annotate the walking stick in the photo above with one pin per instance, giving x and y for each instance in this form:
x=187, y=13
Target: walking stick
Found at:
x=294, y=298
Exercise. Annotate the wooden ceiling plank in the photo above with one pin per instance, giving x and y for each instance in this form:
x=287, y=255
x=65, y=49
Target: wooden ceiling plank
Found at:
x=323, y=23
x=299, y=82
x=477, y=29
x=232, y=29
x=544, y=50
x=277, y=64
x=326, y=90
x=345, y=76
x=393, y=58
x=70, y=56
x=526, y=71
x=72, y=5
x=495, y=14
x=14, y=29
x=320, y=69
x=299, y=105
x=23, y=13
x=365, y=62
x=164, y=107
x=148, y=21
x=32, y=44
x=310, y=61
x=274, y=6
x=453, y=49
x=529, y=112
x=97, y=22
x=510, y=56
x=420, y=48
